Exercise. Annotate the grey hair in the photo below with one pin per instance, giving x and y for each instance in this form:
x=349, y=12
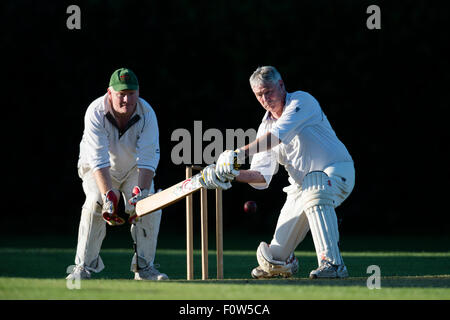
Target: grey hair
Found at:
x=265, y=74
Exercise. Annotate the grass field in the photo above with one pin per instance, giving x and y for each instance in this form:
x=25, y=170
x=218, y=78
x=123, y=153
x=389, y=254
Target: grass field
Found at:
x=34, y=268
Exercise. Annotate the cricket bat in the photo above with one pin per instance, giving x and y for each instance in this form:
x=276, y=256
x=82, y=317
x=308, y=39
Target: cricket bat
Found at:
x=168, y=196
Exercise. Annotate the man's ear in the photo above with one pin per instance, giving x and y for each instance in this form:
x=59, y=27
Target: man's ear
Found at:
x=109, y=92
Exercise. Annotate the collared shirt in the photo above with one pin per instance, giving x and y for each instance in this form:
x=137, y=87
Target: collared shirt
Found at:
x=308, y=142
x=104, y=145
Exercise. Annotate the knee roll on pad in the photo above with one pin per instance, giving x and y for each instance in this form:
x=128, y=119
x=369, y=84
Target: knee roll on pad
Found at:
x=316, y=190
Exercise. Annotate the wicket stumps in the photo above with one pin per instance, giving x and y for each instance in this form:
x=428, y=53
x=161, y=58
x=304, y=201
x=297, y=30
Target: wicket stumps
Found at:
x=204, y=230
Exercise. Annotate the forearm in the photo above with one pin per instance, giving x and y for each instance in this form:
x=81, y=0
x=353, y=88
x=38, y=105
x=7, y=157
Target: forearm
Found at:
x=145, y=178
x=104, y=183
x=250, y=176
x=103, y=179
x=263, y=143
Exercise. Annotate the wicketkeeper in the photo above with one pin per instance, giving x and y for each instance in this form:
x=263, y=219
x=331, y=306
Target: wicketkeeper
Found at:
x=296, y=134
x=119, y=154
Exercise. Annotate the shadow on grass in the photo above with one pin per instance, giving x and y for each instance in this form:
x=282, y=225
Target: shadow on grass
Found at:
x=120, y=238
x=397, y=270
x=386, y=282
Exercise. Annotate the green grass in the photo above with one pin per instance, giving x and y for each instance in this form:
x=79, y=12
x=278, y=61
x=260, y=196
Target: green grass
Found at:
x=30, y=271
x=291, y=289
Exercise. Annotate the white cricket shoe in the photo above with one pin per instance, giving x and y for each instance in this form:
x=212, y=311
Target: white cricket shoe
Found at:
x=259, y=273
x=329, y=270
x=150, y=273
x=78, y=273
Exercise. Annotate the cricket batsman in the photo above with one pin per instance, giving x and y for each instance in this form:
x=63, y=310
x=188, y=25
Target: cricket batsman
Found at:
x=119, y=154
x=295, y=133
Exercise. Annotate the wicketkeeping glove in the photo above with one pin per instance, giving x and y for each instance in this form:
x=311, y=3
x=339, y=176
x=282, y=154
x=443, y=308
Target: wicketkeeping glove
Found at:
x=137, y=195
x=109, y=212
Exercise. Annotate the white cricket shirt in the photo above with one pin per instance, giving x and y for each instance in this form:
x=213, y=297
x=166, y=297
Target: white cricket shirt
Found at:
x=308, y=142
x=104, y=145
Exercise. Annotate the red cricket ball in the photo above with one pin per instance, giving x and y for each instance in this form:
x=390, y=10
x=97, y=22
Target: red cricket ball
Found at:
x=250, y=207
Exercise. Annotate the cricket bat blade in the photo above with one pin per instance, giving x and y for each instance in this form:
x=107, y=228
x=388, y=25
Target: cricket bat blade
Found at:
x=168, y=196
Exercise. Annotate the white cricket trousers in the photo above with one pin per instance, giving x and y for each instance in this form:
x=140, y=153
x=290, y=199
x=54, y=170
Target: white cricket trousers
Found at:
x=295, y=219
x=92, y=229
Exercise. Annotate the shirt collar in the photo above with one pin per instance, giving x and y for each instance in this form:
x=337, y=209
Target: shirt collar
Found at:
x=108, y=107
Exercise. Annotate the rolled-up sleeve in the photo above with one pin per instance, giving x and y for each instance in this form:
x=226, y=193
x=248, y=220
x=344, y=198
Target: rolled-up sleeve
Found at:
x=147, y=149
x=96, y=140
x=266, y=163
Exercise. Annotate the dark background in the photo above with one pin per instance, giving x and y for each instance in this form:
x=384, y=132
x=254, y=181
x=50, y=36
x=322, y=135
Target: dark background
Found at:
x=384, y=91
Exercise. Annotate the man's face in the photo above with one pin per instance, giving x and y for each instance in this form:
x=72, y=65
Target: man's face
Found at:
x=123, y=102
x=271, y=96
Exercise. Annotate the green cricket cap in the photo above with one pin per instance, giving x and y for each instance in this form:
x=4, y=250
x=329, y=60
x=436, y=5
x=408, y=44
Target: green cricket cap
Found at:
x=124, y=79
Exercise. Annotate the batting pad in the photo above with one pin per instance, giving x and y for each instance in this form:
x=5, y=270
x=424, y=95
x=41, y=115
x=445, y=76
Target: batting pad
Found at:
x=324, y=230
x=275, y=267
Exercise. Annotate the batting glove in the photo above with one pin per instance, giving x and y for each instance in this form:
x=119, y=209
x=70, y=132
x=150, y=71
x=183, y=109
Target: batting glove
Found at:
x=137, y=195
x=210, y=180
x=110, y=205
x=227, y=163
